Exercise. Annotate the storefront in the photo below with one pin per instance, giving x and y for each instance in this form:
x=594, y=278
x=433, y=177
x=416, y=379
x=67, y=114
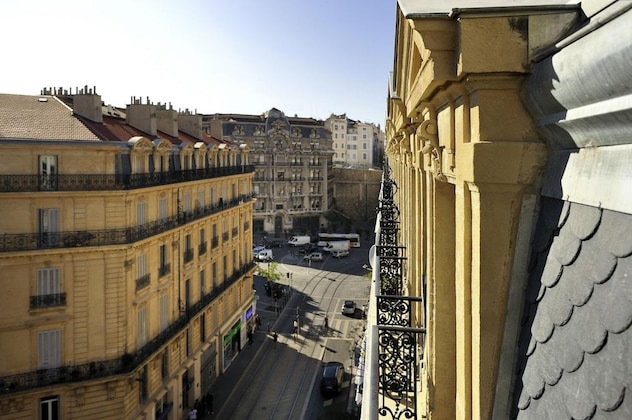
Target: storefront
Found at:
x=232, y=344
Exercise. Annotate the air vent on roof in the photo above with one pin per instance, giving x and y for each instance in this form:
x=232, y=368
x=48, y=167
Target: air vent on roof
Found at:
x=43, y=99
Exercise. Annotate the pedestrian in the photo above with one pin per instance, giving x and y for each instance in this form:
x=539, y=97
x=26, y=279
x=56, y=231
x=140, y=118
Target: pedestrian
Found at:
x=192, y=415
x=249, y=337
x=202, y=408
x=209, y=404
x=275, y=336
x=268, y=326
x=326, y=322
x=257, y=320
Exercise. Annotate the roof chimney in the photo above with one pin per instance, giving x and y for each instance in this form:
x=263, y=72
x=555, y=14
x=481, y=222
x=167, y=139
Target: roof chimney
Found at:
x=142, y=116
x=88, y=105
x=190, y=124
x=167, y=120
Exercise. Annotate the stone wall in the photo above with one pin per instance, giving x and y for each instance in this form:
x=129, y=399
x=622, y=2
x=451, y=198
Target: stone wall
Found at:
x=356, y=192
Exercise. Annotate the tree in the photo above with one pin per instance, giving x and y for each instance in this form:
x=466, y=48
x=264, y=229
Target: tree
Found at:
x=273, y=288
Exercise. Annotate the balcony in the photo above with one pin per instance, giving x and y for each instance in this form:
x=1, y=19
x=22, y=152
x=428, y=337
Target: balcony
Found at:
x=215, y=242
x=394, y=346
x=235, y=232
x=48, y=301
x=127, y=362
x=187, y=256
x=164, y=269
x=225, y=237
x=142, y=282
x=118, y=236
x=202, y=248
x=108, y=182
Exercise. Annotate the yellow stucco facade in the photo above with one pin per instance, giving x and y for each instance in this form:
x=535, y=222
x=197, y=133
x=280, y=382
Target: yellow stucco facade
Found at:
x=123, y=296
x=466, y=159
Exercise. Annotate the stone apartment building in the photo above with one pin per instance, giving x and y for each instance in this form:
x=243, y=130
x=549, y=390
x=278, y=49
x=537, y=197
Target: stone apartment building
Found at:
x=293, y=167
x=125, y=254
x=502, y=272
x=356, y=144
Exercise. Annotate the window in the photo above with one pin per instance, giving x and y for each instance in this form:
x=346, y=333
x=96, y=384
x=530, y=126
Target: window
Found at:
x=164, y=312
x=364, y=146
x=203, y=327
x=165, y=364
x=162, y=209
x=201, y=198
x=214, y=274
x=48, y=349
x=49, y=226
x=188, y=248
x=142, y=279
x=48, y=172
x=164, y=260
x=187, y=203
x=141, y=213
x=48, y=282
x=143, y=385
x=49, y=408
x=202, y=285
x=142, y=326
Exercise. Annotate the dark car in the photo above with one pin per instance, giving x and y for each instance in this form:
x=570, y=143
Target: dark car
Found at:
x=331, y=381
x=275, y=243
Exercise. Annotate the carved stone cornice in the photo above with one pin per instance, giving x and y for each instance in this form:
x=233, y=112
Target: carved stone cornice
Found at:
x=428, y=133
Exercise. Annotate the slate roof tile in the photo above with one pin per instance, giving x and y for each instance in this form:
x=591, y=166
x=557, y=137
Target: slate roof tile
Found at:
x=552, y=272
x=615, y=225
x=579, y=290
x=576, y=343
x=565, y=247
x=583, y=220
x=617, y=297
x=597, y=262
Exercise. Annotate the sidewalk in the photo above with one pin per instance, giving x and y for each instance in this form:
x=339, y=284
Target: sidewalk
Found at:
x=228, y=382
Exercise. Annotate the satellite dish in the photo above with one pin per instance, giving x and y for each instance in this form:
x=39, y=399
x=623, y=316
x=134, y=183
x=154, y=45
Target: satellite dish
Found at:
x=372, y=256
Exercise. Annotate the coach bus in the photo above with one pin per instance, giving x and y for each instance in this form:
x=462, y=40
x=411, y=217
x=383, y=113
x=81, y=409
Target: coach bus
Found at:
x=325, y=238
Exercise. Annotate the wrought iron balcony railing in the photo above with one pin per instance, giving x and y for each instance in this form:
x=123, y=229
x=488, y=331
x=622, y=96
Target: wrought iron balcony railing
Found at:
x=104, y=182
x=202, y=248
x=187, y=255
x=142, y=282
x=215, y=242
x=396, y=345
x=164, y=269
x=118, y=236
x=48, y=301
x=128, y=361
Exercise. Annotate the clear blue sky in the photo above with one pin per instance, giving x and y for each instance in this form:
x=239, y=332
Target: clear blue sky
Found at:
x=310, y=58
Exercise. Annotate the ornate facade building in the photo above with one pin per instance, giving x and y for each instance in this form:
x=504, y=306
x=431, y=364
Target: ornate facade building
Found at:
x=504, y=237
x=293, y=167
x=125, y=254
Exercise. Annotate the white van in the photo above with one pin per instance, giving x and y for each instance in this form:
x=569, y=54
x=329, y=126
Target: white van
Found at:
x=339, y=253
x=337, y=246
x=299, y=240
x=265, y=255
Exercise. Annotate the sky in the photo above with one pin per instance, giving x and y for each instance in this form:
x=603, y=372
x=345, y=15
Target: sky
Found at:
x=305, y=58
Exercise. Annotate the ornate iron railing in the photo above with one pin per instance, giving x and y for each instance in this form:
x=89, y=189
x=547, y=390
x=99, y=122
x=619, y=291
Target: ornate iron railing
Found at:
x=118, y=236
x=398, y=342
x=143, y=281
x=128, y=361
x=48, y=301
x=104, y=182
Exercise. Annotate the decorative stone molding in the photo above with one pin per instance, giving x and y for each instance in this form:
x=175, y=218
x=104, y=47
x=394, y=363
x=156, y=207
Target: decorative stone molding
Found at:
x=428, y=133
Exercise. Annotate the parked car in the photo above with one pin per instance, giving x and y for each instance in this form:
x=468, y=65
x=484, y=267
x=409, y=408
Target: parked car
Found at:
x=314, y=256
x=265, y=255
x=306, y=249
x=275, y=243
x=340, y=253
x=256, y=250
x=331, y=381
x=348, y=308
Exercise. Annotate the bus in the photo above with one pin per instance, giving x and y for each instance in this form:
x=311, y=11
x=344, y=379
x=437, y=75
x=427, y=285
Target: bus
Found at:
x=325, y=238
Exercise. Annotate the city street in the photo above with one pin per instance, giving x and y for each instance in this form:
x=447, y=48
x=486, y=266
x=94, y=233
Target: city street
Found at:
x=281, y=380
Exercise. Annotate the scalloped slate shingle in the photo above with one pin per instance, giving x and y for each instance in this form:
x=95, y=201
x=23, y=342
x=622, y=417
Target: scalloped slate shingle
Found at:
x=575, y=355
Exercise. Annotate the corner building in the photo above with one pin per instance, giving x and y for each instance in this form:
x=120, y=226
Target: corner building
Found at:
x=502, y=272
x=125, y=257
x=293, y=181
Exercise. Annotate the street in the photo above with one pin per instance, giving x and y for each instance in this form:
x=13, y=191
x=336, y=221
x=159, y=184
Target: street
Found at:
x=280, y=380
